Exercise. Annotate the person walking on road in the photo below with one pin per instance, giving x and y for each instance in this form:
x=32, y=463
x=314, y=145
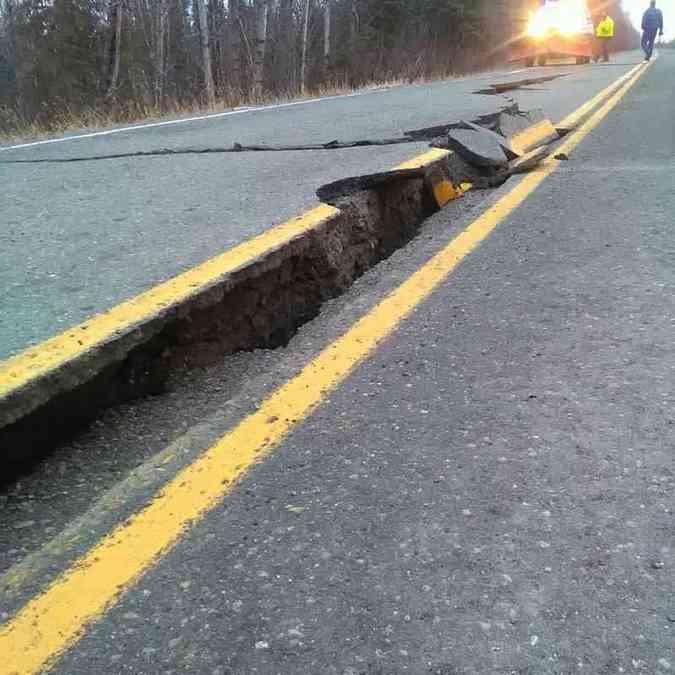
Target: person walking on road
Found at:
x=652, y=23
x=604, y=34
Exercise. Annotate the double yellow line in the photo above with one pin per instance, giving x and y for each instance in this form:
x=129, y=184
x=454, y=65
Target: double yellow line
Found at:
x=55, y=620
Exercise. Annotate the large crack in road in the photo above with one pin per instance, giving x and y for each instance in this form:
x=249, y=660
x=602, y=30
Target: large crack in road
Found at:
x=431, y=133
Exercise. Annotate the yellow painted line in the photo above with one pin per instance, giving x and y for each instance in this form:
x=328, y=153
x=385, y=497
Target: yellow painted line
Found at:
x=35, y=362
x=53, y=621
x=423, y=160
x=576, y=116
x=533, y=136
x=538, y=133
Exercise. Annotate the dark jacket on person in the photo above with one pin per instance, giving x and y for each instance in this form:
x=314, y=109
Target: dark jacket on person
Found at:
x=652, y=20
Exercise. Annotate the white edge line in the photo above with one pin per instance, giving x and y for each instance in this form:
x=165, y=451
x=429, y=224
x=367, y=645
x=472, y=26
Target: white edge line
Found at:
x=186, y=120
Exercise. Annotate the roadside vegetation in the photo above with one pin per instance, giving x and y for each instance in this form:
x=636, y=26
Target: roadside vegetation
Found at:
x=92, y=63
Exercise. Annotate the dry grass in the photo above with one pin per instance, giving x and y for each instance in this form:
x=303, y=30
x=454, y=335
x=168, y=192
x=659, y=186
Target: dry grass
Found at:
x=13, y=128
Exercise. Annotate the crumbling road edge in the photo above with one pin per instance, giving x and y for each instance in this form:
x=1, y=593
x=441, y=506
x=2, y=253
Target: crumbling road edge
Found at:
x=253, y=296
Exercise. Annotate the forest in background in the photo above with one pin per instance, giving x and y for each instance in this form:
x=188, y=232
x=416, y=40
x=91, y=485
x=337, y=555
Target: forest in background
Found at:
x=87, y=62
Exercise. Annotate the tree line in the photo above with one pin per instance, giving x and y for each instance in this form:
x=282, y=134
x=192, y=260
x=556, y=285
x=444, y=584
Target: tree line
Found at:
x=130, y=58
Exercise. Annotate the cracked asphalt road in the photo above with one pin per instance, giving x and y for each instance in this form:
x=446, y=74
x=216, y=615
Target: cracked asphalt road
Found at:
x=490, y=492
x=90, y=235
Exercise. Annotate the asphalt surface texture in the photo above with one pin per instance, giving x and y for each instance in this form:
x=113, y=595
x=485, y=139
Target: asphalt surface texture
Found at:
x=91, y=234
x=490, y=492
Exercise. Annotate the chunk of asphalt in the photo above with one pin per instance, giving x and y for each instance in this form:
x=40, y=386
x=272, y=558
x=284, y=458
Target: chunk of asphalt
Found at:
x=487, y=121
x=478, y=148
x=330, y=192
x=528, y=161
x=539, y=128
x=510, y=123
x=504, y=142
x=491, y=120
x=441, y=143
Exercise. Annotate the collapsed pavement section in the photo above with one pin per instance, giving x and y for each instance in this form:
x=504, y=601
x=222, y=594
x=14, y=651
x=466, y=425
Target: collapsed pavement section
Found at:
x=254, y=296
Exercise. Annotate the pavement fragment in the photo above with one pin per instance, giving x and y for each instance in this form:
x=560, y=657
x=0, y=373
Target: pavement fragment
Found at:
x=514, y=120
x=478, y=148
x=487, y=121
x=529, y=161
x=527, y=129
x=504, y=143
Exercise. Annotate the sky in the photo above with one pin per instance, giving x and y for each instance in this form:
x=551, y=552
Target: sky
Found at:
x=636, y=8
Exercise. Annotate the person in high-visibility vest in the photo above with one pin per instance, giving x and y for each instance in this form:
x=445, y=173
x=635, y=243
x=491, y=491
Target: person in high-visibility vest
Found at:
x=604, y=34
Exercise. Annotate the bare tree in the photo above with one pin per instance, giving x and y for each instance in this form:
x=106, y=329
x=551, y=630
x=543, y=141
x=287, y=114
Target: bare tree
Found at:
x=151, y=17
x=305, y=36
x=206, y=54
x=160, y=17
x=117, y=10
x=260, y=47
x=354, y=22
x=326, y=39
x=286, y=57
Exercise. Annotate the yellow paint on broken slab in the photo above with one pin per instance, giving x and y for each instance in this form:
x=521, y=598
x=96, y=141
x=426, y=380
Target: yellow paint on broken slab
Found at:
x=426, y=159
x=538, y=134
x=446, y=191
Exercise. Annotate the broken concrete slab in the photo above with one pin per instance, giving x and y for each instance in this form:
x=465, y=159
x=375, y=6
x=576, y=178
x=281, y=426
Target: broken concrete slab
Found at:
x=505, y=144
x=537, y=135
x=491, y=120
x=527, y=130
x=487, y=121
x=529, y=161
x=444, y=181
x=513, y=121
x=478, y=148
x=440, y=143
x=513, y=124
x=516, y=131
